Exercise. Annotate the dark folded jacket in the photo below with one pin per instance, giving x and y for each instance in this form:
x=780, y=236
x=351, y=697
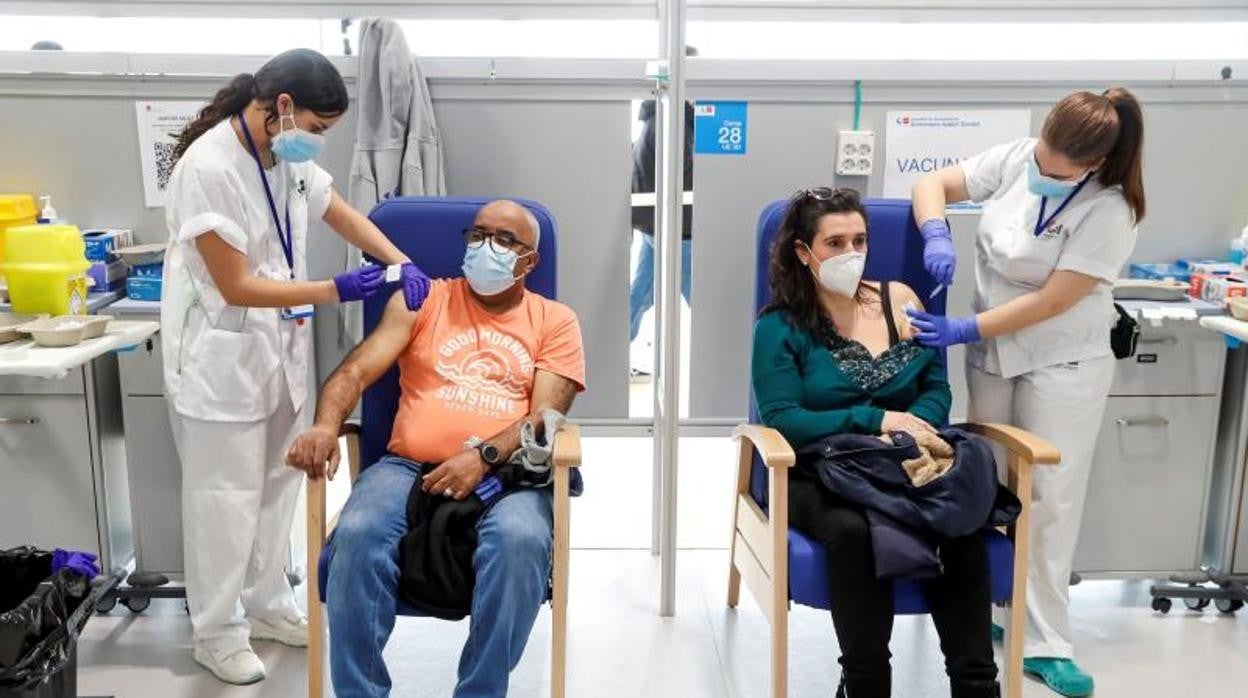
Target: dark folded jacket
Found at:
x=908, y=523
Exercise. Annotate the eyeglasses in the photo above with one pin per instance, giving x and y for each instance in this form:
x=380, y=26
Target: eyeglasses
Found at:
x=500, y=240
x=819, y=193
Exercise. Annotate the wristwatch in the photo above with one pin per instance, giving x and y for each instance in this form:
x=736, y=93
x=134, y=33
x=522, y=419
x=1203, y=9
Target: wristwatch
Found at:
x=489, y=452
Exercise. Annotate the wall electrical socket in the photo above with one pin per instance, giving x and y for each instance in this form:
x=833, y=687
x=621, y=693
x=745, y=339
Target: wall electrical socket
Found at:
x=855, y=154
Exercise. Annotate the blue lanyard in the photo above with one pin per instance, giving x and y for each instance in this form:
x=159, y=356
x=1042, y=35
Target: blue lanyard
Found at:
x=287, y=239
x=1041, y=223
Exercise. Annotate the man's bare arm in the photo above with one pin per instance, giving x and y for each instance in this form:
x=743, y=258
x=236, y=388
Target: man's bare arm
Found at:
x=365, y=364
x=549, y=390
x=316, y=451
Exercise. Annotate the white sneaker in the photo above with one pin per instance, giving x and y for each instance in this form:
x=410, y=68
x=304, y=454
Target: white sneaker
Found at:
x=240, y=667
x=292, y=632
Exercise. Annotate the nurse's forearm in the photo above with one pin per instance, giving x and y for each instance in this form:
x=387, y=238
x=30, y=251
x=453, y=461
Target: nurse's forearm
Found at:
x=928, y=199
x=228, y=268
x=255, y=292
x=933, y=192
x=1060, y=293
x=356, y=229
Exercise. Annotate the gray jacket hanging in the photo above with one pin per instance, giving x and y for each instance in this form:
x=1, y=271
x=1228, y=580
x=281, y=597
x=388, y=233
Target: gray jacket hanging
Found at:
x=398, y=151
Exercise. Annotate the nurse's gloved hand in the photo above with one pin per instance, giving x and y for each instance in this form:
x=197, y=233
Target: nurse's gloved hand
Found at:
x=939, y=331
x=415, y=286
x=938, y=255
x=358, y=284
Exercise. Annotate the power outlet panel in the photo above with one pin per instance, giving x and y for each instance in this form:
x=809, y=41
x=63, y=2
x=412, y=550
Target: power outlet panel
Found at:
x=855, y=153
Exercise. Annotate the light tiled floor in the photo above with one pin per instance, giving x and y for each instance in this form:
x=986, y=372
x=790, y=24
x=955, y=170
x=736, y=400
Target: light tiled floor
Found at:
x=620, y=648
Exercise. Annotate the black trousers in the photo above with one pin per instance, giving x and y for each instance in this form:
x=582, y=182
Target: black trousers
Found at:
x=862, y=604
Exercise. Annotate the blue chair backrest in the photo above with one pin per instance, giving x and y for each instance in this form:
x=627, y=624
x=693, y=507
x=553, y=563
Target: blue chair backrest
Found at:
x=429, y=230
x=895, y=253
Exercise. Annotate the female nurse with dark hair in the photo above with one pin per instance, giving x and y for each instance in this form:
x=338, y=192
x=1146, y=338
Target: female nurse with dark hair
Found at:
x=236, y=319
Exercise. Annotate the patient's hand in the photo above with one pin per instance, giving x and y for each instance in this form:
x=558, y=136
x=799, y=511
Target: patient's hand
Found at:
x=904, y=421
x=458, y=475
x=315, y=452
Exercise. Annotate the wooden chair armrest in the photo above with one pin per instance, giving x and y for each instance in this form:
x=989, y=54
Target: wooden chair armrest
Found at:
x=1024, y=444
x=775, y=451
x=567, y=452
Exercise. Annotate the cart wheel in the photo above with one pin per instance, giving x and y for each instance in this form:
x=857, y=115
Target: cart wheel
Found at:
x=1229, y=605
x=106, y=605
x=137, y=604
x=1161, y=604
x=1196, y=604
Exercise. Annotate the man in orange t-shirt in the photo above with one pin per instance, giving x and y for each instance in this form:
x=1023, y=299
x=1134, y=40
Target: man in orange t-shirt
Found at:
x=480, y=358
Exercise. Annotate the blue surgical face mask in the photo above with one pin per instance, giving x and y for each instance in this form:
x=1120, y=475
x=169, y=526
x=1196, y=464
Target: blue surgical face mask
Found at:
x=1042, y=185
x=490, y=272
x=293, y=144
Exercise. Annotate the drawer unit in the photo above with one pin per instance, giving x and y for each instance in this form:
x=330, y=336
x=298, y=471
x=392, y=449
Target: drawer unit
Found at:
x=48, y=497
x=1176, y=358
x=1148, y=485
x=142, y=370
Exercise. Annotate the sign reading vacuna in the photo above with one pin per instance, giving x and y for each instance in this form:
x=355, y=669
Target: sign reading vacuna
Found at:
x=919, y=143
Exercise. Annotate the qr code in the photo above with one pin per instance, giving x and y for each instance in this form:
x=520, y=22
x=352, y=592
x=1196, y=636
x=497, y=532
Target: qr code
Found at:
x=164, y=164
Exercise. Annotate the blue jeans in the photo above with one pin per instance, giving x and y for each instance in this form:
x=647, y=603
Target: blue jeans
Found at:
x=641, y=295
x=512, y=563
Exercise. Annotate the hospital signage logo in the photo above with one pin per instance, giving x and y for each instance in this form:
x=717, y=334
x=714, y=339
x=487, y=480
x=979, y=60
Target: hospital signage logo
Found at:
x=720, y=128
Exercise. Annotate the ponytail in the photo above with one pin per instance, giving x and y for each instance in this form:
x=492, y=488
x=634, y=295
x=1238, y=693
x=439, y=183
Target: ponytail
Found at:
x=309, y=78
x=229, y=100
x=1088, y=128
x=1123, y=165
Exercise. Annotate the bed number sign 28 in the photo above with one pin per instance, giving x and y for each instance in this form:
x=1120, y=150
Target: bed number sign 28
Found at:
x=721, y=128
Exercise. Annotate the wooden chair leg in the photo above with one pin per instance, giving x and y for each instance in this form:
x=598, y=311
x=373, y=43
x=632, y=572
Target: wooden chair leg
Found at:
x=744, y=461
x=559, y=591
x=779, y=519
x=1020, y=483
x=316, y=611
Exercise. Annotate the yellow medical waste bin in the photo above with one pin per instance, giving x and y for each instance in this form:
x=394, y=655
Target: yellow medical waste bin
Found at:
x=46, y=267
x=15, y=210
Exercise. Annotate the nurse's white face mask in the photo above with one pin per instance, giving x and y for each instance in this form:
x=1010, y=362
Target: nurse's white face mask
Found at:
x=840, y=274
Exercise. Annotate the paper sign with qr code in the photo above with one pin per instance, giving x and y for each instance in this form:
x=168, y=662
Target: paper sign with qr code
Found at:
x=159, y=125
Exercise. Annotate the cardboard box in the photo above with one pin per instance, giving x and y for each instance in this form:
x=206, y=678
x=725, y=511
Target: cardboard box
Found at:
x=144, y=288
x=108, y=276
x=148, y=271
x=100, y=242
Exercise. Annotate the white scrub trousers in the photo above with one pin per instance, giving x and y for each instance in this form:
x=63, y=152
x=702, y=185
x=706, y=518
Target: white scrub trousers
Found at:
x=238, y=504
x=1064, y=405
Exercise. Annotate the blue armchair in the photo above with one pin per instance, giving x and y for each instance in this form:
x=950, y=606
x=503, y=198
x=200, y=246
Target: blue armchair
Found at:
x=428, y=230
x=780, y=564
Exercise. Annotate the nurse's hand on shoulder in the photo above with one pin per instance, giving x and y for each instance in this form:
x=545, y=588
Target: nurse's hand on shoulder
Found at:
x=415, y=286
x=315, y=452
x=358, y=284
x=939, y=331
x=938, y=254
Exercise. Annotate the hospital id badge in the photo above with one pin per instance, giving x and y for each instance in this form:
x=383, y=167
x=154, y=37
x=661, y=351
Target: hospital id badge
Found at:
x=298, y=313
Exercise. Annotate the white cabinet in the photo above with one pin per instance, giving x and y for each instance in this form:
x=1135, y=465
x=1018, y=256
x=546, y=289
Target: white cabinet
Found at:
x=1149, y=483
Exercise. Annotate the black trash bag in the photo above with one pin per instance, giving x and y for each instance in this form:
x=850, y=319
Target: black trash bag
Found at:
x=41, y=615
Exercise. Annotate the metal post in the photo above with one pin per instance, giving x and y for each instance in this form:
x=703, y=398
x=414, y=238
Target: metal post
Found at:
x=669, y=186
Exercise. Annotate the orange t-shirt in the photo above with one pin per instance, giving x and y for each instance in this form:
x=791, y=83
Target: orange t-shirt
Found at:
x=468, y=372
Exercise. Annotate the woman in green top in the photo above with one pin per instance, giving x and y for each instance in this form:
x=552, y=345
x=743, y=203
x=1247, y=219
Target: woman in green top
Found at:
x=829, y=358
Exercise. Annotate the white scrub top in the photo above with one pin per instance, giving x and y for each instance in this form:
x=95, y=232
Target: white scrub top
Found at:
x=1093, y=235
x=221, y=363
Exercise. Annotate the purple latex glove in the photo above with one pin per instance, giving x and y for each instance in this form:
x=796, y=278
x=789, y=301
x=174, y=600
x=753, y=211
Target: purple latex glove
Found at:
x=940, y=331
x=938, y=255
x=358, y=284
x=82, y=563
x=415, y=286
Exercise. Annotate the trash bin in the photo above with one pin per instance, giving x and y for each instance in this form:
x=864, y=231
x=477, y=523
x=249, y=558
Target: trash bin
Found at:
x=41, y=614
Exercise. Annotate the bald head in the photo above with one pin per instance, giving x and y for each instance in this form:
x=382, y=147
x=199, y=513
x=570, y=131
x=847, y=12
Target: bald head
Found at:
x=504, y=214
